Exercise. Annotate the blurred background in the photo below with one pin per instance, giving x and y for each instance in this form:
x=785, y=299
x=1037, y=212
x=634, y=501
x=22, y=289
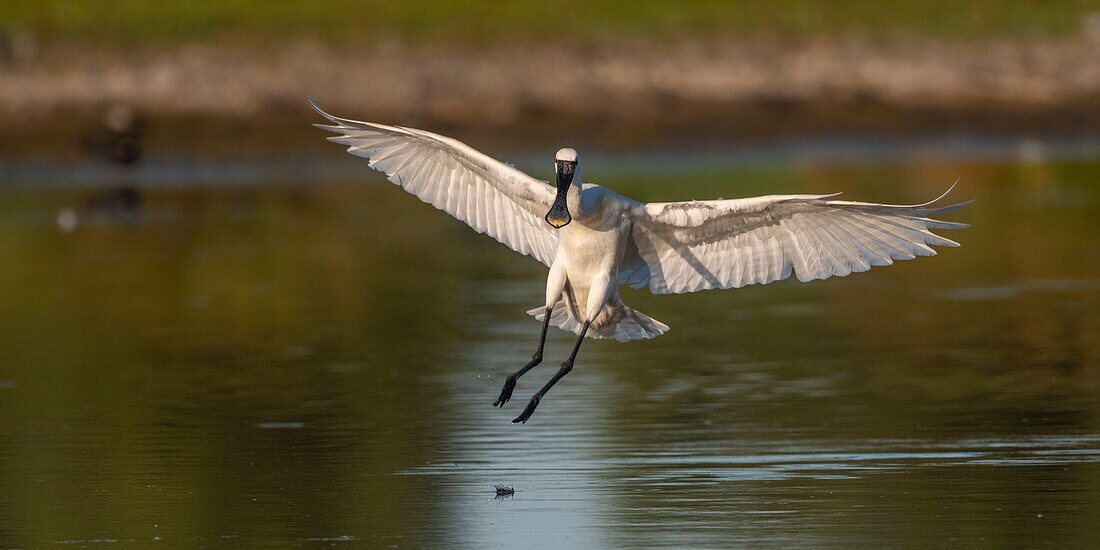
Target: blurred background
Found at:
x=220, y=329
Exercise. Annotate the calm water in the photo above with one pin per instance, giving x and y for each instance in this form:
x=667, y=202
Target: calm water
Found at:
x=314, y=362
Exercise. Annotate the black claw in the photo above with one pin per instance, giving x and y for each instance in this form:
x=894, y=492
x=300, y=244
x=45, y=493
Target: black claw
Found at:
x=526, y=414
x=506, y=392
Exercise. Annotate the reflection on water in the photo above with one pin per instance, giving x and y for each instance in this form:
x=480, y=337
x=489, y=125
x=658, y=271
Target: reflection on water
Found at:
x=275, y=363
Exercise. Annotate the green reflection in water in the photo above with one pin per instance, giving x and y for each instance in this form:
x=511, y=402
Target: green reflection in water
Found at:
x=316, y=362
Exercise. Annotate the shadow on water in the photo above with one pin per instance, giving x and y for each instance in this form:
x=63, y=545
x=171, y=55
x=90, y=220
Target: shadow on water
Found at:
x=290, y=362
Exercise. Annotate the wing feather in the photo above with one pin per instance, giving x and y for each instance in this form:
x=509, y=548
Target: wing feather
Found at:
x=697, y=245
x=489, y=196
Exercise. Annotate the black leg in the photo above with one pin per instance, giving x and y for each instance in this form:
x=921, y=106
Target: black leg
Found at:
x=564, y=370
x=510, y=382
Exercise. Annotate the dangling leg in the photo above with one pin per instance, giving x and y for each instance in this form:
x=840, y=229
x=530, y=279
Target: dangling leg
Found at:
x=555, y=284
x=564, y=370
x=601, y=290
x=510, y=382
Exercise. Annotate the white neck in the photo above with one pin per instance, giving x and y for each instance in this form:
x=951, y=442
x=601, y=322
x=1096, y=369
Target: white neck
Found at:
x=573, y=198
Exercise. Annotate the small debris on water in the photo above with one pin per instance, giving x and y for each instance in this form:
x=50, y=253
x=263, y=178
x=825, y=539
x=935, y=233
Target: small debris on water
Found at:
x=504, y=490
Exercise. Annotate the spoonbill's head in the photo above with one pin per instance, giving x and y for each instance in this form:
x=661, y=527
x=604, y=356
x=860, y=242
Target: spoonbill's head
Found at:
x=565, y=170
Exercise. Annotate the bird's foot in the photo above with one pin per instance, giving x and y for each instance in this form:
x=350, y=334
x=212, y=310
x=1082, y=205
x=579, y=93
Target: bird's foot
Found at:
x=526, y=414
x=506, y=391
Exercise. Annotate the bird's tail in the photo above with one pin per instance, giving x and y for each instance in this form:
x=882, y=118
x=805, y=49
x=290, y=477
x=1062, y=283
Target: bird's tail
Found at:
x=619, y=323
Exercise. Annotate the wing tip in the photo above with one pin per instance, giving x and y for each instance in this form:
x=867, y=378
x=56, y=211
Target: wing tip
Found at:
x=319, y=110
x=944, y=194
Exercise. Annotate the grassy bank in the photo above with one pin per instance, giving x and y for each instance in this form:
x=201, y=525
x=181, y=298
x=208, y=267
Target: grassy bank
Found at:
x=141, y=22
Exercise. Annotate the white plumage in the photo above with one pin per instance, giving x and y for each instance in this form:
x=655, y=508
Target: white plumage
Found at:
x=593, y=239
x=700, y=245
x=490, y=196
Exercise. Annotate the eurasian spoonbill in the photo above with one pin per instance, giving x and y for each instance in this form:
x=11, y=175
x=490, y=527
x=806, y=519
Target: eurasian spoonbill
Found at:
x=594, y=239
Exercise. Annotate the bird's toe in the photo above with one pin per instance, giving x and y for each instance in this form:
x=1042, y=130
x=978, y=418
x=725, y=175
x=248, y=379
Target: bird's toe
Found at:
x=505, y=392
x=526, y=414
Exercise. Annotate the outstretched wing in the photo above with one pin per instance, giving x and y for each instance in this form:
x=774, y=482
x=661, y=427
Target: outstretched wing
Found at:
x=490, y=196
x=688, y=246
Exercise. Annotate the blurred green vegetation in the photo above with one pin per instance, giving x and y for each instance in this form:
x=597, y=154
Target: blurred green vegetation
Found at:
x=130, y=22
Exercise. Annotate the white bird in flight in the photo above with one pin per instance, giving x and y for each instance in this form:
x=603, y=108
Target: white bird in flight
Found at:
x=594, y=239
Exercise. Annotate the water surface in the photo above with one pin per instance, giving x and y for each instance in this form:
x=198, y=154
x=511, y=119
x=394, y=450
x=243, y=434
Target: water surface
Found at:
x=313, y=362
